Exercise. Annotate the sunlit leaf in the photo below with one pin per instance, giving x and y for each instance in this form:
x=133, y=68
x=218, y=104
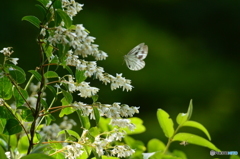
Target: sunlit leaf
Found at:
x=155, y=145
x=165, y=122
x=139, y=127
x=198, y=126
x=194, y=139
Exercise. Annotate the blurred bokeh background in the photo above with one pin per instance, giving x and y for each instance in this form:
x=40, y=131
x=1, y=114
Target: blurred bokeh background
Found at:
x=194, y=51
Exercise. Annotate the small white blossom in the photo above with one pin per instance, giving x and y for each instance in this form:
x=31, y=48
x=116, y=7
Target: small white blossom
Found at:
x=73, y=151
x=122, y=151
x=7, y=51
x=123, y=123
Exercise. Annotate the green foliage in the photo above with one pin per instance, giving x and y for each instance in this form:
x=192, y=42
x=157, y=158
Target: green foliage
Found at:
x=26, y=119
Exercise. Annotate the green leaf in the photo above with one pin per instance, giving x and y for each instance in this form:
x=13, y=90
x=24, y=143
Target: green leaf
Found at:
x=57, y=4
x=32, y=19
x=5, y=113
x=53, y=90
x=198, y=126
x=42, y=9
x=66, y=111
x=80, y=76
x=84, y=120
x=155, y=145
x=27, y=115
x=67, y=20
x=17, y=73
x=12, y=127
x=36, y=75
x=68, y=97
x=194, y=139
x=5, y=88
x=181, y=118
x=3, y=123
x=69, y=70
x=43, y=2
x=139, y=127
x=95, y=98
x=190, y=110
x=70, y=133
x=23, y=144
x=19, y=95
x=2, y=153
x=96, y=114
x=37, y=155
x=180, y=154
x=165, y=122
x=134, y=144
x=51, y=74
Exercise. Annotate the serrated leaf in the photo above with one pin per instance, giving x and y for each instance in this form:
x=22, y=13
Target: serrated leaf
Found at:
x=12, y=127
x=32, y=19
x=51, y=74
x=5, y=88
x=36, y=75
x=20, y=96
x=165, y=122
x=194, y=139
x=155, y=145
x=67, y=20
x=198, y=126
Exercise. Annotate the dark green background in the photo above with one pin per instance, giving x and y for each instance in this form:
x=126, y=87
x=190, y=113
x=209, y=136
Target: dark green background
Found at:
x=193, y=54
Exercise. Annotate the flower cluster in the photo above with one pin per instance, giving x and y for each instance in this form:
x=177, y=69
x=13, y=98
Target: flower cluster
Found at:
x=51, y=131
x=7, y=52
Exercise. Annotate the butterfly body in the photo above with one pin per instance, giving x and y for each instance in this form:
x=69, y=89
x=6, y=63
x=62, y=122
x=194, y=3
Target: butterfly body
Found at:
x=134, y=59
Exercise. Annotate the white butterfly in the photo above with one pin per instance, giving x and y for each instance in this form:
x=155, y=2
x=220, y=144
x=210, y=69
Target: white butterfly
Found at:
x=134, y=59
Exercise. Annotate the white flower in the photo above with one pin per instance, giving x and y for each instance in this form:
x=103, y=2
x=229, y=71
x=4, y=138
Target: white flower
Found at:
x=14, y=60
x=7, y=51
x=123, y=123
x=122, y=151
x=73, y=151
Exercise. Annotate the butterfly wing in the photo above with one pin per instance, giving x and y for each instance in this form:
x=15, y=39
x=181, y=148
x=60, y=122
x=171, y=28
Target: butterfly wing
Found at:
x=134, y=59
